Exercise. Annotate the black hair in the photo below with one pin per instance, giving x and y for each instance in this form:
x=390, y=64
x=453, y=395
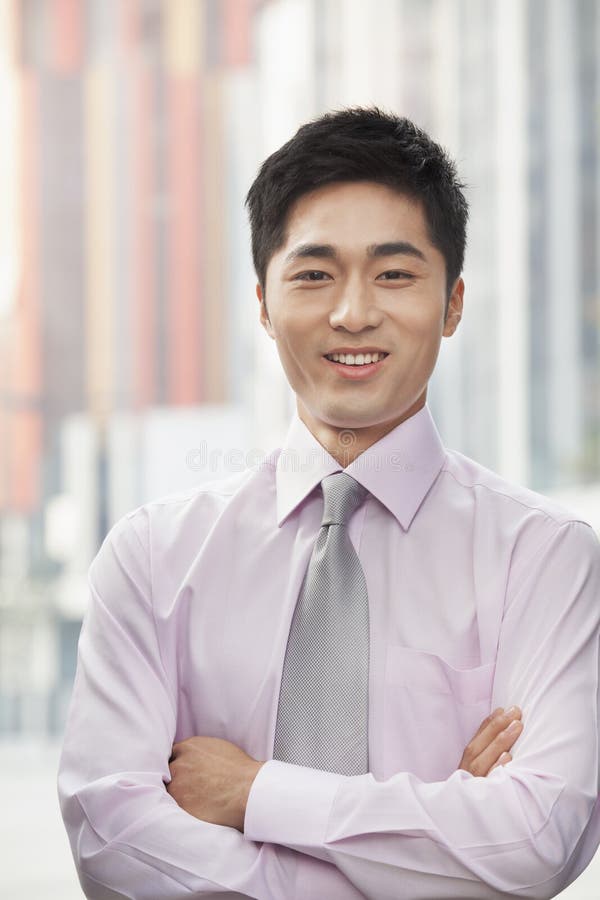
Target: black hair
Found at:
x=360, y=144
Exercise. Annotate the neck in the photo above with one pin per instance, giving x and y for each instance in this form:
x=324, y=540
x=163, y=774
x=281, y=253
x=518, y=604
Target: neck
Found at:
x=345, y=444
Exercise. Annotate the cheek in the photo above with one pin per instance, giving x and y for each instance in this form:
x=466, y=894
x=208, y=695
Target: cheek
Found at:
x=421, y=317
x=422, y=329
x=293, y=357
x=293, y=338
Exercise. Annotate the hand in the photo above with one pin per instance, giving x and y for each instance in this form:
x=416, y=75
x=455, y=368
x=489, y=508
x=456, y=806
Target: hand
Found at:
x=490, y=745
x=211, y=779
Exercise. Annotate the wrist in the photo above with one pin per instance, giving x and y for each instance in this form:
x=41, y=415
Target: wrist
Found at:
x=246, y=785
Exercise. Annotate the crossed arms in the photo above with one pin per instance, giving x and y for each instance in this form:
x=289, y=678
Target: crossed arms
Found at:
x=515, y=832
x=211, y=778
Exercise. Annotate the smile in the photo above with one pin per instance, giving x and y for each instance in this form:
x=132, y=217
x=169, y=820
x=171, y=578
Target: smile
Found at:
x=356, y=359
x=356, y=366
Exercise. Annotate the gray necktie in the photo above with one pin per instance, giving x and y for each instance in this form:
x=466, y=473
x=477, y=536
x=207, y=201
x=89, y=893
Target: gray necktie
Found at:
x=322, y=719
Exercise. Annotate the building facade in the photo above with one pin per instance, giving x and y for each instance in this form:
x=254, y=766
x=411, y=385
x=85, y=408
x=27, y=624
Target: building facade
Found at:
x=133, y=362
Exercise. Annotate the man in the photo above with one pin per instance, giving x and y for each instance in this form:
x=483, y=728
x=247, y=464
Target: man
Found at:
x=278, y=673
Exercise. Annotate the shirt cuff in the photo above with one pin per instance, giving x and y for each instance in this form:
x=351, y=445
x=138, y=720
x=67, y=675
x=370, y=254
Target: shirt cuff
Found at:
x=290, y=804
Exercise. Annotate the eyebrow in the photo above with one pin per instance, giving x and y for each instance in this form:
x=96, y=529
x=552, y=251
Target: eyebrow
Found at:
x=328, y=251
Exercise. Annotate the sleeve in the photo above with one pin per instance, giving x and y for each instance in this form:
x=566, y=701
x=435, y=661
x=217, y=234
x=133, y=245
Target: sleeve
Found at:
x=128, y=836
x=516, y=832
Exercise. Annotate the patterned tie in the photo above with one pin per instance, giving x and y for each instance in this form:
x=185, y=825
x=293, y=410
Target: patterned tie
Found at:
x=322, y=719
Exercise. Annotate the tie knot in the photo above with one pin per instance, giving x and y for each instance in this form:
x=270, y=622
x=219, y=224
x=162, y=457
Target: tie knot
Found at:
x=342, y=495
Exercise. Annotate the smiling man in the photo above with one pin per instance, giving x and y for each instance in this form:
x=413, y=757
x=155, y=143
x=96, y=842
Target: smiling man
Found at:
x=292, y=683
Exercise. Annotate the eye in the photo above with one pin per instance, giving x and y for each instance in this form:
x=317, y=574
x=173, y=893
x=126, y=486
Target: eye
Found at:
x=397, y=275
x=305, y=276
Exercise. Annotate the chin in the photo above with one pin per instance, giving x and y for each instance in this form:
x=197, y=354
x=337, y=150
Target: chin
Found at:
x=352, y=420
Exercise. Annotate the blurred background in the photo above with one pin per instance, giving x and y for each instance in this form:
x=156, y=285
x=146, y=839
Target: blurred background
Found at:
x=132, y=362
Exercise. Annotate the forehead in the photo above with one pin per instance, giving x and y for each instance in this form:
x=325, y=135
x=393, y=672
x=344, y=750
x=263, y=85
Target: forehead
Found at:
x=363, y=212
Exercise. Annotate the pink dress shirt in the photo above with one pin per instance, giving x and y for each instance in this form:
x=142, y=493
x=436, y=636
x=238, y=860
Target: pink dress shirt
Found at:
x=481, y=594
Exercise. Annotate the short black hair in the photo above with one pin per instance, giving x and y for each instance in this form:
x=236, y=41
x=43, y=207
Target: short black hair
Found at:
x=360, y=144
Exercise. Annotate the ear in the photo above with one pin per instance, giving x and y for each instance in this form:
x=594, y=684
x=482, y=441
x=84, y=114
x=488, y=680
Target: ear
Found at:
x=264, y=314
x=455, y=306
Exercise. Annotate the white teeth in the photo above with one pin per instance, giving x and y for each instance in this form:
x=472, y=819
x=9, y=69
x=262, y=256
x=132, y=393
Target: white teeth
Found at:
x=359, y=359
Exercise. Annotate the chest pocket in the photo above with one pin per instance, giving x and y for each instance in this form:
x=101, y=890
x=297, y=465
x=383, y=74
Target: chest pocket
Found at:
x=431, y=712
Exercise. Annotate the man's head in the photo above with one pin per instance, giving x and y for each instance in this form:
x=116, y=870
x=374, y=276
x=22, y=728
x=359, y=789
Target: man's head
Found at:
x=359, y=144
x=371, y=206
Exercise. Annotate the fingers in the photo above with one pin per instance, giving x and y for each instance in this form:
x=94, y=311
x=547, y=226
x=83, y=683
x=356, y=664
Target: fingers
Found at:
x=487, y=721
x=500, y=732
x=496, y=736
x=504, y=758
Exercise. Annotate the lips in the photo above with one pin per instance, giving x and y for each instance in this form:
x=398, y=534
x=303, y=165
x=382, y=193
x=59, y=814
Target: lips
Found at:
x=353, y=372
x=358, y=358
x=355, y=350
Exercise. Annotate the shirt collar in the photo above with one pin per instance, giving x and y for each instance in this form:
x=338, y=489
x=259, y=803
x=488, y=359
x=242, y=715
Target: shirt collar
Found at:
x=398, y=469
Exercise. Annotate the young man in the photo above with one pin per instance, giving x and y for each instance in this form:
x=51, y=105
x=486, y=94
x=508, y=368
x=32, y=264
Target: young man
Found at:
x=279, y=672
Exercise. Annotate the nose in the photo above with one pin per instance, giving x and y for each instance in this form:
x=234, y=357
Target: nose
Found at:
x=355, y=308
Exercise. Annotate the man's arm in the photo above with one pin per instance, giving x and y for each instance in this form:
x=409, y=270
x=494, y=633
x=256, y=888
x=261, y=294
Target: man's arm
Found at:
x=211, y=778
x=512, y=833
x=129, y=837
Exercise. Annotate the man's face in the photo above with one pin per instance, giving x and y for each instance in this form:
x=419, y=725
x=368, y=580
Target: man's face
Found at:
x=337, y=285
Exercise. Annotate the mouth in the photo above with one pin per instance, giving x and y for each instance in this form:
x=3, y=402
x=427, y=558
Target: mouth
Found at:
x=357, y=359
x=356, y=365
